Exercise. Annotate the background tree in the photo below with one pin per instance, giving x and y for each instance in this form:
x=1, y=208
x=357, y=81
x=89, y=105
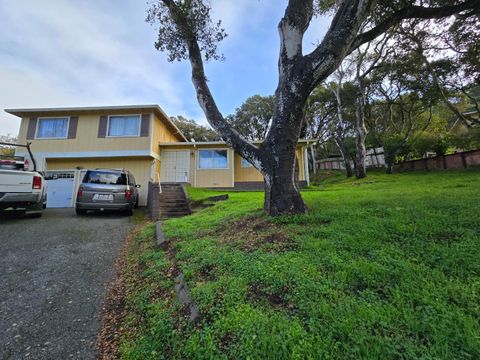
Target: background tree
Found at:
x=7, y=150
x=319, y=114
x=342, y=128
x=404, y=107
x=194, y=131
x=450, y=59
x=253, y=117
x=353, y=79
x=186, y=31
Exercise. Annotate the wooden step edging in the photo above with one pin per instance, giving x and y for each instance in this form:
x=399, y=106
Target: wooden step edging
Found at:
x=182, y=291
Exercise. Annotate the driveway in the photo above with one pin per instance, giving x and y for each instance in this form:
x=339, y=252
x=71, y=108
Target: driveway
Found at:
x=53, y=277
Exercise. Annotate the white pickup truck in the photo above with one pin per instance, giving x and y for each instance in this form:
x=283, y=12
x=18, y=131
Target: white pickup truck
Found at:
x=21, y=188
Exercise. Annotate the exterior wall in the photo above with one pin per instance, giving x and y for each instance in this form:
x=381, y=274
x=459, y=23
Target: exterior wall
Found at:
x=215, y=177
x=225, y=177
x=246, y=173
x=161, y=133
x=86, y=139
x=139, y=167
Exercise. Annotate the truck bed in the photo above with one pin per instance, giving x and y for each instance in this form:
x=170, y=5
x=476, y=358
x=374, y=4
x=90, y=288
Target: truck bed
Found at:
x=16, y=181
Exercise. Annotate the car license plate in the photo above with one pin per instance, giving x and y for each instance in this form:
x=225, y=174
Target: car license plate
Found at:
x=103, y=197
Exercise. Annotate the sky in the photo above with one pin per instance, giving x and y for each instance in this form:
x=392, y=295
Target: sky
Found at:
x=101, y=52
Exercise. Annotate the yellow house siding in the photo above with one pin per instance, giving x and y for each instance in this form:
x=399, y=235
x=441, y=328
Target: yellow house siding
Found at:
x=139, y=167
x=161, y=133
x=225, y=177
x=86, y=139
x=214, y=177
x=245, y=173
x=301, y=174
x=22, y=133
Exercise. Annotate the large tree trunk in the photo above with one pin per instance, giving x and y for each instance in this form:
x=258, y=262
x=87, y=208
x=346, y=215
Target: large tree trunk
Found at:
x=281, y=192
x=279, y=160
x=278, y=167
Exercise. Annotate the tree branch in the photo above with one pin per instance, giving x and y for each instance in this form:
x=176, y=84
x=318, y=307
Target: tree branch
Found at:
x=414, y=12
x=204, y=96
x=346, y=23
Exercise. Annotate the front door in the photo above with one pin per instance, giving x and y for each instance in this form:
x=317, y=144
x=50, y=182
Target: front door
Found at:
x=175, y=166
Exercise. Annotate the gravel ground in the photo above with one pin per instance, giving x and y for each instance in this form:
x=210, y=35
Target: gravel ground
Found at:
x=53, y=277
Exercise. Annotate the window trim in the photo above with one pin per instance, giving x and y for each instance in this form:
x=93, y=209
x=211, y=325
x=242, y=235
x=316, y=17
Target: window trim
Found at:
x=124, y=136
x=245, y=166
x=213, y=149
x=52, y=138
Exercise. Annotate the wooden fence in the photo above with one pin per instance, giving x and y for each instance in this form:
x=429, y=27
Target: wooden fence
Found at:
x=452, y=161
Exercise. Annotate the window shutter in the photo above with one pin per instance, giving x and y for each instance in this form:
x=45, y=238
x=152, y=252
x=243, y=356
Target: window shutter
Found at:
x=145, y=125
x=102, y=126
x=72, y=128
x=32, y=128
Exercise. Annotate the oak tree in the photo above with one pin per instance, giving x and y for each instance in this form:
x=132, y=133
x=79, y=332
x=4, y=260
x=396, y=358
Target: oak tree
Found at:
x=186, y=31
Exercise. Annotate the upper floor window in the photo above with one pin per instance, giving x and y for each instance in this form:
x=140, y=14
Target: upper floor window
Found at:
x=52, y=128
x=125, y=125
x=246, y=164
x=212, y=159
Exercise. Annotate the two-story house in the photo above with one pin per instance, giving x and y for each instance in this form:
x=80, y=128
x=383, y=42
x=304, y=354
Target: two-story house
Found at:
x=140, y=138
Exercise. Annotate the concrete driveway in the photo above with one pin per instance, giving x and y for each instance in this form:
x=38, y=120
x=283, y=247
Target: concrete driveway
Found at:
x=53, y=277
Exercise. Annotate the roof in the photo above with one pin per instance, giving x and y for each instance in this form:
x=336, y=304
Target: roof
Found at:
x=99, y=109
x=195, y=143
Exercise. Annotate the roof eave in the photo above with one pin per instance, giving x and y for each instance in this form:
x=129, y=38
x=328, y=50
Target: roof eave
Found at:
x=153, y=107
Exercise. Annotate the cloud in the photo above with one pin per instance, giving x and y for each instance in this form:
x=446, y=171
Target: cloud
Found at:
x=100, y=52
x=60, y=53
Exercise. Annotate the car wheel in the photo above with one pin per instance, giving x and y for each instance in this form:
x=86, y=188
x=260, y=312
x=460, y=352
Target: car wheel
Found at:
x=35, y=215
x=130, y=211
x=80, y=211
x=136, y=204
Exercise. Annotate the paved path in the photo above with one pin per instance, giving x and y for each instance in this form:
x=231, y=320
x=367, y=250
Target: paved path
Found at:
x=53, y=277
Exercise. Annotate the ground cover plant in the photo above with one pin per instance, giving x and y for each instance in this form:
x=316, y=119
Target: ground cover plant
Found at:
x=381, y=268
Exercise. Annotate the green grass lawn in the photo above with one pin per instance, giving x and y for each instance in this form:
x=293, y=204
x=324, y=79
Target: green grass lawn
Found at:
x=383, y=268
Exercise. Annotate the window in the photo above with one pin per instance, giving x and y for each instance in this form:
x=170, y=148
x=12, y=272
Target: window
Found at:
x=131, y=180
x=124, y=125
x=51, y=128
x=246, y=164
x=212, y=159
x=105, y=177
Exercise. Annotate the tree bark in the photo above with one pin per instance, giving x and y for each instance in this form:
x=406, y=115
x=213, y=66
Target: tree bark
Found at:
x=314, y=160
x=346, y=160
x=361, y=133
x=389, y=168
x=281, y=192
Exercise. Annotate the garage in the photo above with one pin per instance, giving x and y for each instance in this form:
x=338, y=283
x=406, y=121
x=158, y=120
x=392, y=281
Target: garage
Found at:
x=60, y=188
x=65, y=176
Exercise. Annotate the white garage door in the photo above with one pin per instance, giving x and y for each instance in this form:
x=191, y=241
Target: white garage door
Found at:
x=175, y=166
x=60, y=189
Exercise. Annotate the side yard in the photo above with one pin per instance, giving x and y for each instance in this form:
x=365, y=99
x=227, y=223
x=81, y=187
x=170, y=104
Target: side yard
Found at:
x=387, y=267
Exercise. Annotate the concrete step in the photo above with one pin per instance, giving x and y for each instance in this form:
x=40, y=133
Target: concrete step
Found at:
x=172, y=201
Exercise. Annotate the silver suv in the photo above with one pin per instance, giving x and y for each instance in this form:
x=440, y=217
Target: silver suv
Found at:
x=107, y=189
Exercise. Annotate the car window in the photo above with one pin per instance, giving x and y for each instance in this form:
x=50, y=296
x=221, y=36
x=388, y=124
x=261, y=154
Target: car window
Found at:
x=105, y=177
x=131, y=180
